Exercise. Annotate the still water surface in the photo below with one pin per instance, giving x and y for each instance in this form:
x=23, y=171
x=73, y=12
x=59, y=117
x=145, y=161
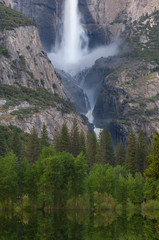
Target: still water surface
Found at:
x=78, y=226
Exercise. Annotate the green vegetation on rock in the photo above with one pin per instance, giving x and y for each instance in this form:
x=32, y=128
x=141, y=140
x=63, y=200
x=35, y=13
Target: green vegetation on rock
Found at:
x=143, y=37
x=40, y=99
x=4, y=52
x=10, y=19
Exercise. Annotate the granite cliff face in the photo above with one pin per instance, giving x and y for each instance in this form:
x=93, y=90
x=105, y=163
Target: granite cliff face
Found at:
x=28, y=64
x=45, y=13
x=51, y=116
x=104, y=19
x=129, y=99
x=129, y=94
x=30, y=91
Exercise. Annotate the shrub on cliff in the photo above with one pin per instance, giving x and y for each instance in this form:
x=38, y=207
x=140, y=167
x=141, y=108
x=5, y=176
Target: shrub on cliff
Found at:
x=10, y=19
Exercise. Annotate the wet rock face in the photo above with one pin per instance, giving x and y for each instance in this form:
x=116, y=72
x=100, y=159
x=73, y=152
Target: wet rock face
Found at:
x=96, y=75
x=77, y=93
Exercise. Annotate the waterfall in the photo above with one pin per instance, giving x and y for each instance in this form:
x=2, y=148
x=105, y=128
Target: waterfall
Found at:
x=73, y=55
x=74, y=45
x=75, y=41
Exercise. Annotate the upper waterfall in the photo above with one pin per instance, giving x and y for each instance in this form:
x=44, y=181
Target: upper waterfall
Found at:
x=72, y=54
x=75, y=41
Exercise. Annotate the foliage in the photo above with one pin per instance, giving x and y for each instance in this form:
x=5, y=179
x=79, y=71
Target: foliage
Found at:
x=152, y=172
x=3, y=144
x=141, y=152
x=103, y=202
x=72, y=142
x=10, y=19
x=130, y=162
x=16, y=144
x=8, y=177
x=150, y=206
x=75, y=141
x=120, y=154
x=44, y=141
x=105, y=151
x=78, y=225
x=147, y=50
x=55, y=178
x=32, y=146
x=115, y=182
x=62, y=140
x=91, y=148
x=40, y=98
x=4, y=52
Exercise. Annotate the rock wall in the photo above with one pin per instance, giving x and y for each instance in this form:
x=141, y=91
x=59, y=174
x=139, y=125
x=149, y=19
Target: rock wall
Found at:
x=111, y=15
x=52, y=117
x=107, y=11
x=24, y=63
x=45, y=13
x=129, y=99
x=28, y=64
x=104, y=19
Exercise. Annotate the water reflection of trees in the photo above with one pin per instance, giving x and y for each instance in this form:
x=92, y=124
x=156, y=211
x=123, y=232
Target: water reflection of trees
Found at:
x=79, y=226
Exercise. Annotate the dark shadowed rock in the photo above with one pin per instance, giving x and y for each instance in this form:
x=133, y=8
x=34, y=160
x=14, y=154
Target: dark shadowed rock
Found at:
x=129, y=99
x=95, y=76
x=76, y=91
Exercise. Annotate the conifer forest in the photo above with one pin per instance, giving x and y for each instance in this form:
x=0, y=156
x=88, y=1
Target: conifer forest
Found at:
x=77, y=171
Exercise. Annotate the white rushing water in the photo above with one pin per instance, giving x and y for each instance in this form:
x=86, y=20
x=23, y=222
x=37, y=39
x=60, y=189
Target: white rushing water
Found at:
x=90, y=117
x=72, y=54
x=74, y=43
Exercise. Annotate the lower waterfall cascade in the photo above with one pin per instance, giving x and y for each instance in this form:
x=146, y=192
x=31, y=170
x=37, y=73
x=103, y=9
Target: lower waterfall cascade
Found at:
x=72, y=54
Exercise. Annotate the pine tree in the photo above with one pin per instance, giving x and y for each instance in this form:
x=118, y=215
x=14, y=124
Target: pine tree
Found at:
x=56, y=141
x=109, y=151
x=44, y=142
x=120, y=154
x=75, y=142
x=141, y=152
x=8, y=177
x=32, y=146
x=130, y=161
x=152, y=171
x=16, y=144
x=151, y=190
x=101, y=149
x=64, y=140
x=3, y=144
x=82, y=142
x=91, y=149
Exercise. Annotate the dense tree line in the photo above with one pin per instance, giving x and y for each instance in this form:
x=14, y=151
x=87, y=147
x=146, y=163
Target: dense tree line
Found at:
x=76, y=171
